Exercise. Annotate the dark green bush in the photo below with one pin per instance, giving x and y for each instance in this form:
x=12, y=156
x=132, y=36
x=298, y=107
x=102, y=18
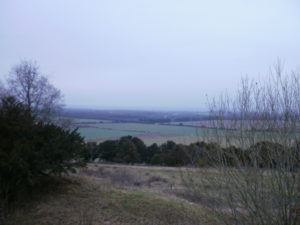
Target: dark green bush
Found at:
x=30, y=149
x=127, y=151
x=107, y=150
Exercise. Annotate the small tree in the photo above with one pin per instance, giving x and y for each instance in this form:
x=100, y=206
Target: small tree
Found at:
x=107, y=150
x=33, y=90
x=127, y=151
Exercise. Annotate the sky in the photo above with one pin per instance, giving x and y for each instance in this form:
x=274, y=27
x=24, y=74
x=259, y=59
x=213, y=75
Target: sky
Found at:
x=148, y=54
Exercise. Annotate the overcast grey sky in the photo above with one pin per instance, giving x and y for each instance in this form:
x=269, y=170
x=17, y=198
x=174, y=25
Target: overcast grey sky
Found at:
x=145, y=54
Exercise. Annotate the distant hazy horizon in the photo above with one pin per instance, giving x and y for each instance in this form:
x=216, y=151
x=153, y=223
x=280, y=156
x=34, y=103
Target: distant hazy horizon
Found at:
x=137, y=108
x=149, y=55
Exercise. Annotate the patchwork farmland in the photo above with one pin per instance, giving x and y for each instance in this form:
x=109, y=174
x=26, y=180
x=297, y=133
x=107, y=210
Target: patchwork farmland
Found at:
x=100, y=130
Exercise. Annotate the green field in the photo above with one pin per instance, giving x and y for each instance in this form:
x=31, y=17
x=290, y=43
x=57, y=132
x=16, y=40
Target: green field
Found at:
x=100, y=130
x=150, y=133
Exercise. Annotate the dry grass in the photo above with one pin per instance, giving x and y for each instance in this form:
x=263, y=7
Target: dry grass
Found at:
x=171, y=181
x=89, y=199
x=159, y=179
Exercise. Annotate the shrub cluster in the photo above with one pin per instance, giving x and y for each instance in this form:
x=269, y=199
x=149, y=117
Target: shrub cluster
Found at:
x=130, y=149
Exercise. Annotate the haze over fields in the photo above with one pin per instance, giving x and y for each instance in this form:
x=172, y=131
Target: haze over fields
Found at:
x=148, y=54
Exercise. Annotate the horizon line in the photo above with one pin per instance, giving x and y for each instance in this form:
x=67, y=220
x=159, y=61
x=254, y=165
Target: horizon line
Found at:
x=136, y=108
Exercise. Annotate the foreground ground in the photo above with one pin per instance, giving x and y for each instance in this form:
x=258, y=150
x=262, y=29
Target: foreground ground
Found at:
x=113, y=194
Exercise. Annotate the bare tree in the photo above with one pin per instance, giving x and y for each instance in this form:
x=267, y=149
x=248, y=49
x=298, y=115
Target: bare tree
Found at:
x=260, y=184
x=2, y=90
x=30, y=87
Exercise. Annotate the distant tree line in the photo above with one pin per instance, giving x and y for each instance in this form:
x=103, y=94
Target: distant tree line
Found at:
x=126, y=116
x=132, y=150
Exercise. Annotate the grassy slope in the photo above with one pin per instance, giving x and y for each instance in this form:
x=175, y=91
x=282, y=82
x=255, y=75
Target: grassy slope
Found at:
x=87, y=200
